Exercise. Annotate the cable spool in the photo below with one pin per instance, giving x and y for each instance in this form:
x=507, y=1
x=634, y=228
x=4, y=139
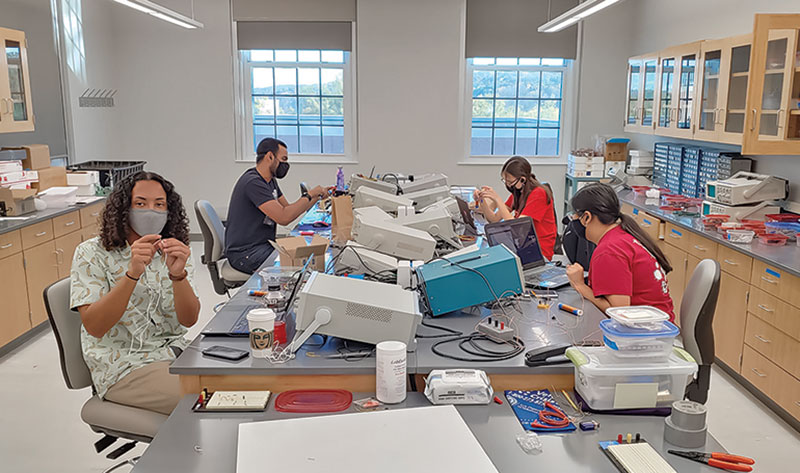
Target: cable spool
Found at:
x=686, y=426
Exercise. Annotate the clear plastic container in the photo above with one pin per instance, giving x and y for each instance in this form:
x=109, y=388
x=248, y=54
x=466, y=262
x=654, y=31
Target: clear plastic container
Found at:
x=784, y=228
x=638, y=316
x=59, y=197
x=741, y=236
x=773, y=239
x=639, y=344
x=598, y=376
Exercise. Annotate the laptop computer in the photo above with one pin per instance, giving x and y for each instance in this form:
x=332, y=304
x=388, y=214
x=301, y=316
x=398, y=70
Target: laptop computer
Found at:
x=519, y=235
x=466, y=216
x=239, y=327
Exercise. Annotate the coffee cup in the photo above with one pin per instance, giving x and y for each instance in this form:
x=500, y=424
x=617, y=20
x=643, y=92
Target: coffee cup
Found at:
x=262, y=331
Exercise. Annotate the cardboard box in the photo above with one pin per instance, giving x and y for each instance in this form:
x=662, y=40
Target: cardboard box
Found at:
x=38, y=156
x=617, y=149
x=51, y=177
x=294, y=251
x=17, y=201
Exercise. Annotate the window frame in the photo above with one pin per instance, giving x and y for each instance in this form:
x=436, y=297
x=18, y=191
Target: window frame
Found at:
x=565, y=124
x=244, y=109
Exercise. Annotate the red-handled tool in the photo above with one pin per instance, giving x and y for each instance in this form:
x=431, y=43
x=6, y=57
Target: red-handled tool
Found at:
x=723, y=461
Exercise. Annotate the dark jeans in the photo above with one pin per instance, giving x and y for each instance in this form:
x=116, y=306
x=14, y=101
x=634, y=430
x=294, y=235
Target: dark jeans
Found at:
x=250, y=260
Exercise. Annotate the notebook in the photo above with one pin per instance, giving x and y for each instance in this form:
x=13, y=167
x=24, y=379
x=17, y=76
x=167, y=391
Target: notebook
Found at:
x=237, y=401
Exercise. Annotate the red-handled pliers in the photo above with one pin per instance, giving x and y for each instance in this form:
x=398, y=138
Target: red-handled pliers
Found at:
x=723, y=461
x=551, y=418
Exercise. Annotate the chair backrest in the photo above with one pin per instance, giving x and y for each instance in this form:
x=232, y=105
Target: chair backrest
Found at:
x=697, y=312
x=212, y=229
x=67, y=329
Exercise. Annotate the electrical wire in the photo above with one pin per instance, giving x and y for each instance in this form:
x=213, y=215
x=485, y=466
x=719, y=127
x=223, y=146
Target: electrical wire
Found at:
x=450, y=332
x=480, y=353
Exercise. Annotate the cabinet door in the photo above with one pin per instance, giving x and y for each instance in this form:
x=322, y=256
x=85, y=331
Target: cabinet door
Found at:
x=730, y=319
x=676, y=279
x=633, y=93
x=65, y=249
x=677, y=77
x=709, y=73
x=16, y=109
x=647, y=115
x=735, y=77
x=773, y=124
x=14, y=319
x=41, y=270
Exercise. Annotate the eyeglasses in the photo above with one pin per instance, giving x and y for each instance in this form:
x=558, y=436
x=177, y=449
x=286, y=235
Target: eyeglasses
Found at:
x=504, y=181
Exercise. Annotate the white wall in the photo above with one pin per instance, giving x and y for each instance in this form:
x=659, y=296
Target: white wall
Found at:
x=175, y=109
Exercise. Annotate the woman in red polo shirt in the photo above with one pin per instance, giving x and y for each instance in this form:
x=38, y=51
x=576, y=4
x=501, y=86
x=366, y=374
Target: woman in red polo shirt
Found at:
x=627, y=266
x=528, y=197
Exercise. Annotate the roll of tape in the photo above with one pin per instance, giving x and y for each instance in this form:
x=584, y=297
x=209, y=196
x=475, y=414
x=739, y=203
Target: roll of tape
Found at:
x=689, y=415
x=683, y=438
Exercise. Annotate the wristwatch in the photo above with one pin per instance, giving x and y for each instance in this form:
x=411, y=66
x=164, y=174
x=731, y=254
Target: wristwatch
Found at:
x=304, y=192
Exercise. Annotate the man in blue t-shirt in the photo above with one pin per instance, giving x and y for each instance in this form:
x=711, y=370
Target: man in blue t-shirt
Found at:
x=258, y=206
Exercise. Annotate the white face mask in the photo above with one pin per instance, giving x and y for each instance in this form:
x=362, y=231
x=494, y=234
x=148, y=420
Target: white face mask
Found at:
x=147, y=221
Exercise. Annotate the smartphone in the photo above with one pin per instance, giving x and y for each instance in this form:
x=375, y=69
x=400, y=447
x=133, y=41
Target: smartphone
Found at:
x=225, y=353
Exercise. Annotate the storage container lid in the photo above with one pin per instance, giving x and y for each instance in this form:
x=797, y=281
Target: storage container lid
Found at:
x=599, y=361
x=637, y=315
x=662, y=329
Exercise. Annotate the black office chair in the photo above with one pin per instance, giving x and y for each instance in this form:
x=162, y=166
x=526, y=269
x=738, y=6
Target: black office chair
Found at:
x=223, y=275
x=697, y=316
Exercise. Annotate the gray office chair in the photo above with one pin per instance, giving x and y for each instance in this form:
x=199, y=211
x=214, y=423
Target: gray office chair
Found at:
x=114, y=421
x=697, y=316
x=223, y=275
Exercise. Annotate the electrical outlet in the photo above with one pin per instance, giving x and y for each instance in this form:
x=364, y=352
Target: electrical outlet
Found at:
x=495, y=329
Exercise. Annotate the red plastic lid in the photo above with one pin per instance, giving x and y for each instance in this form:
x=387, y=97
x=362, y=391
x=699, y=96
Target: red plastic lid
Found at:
x=670, y=208
x=784, y=217
x=313, y=400
x=774, y=239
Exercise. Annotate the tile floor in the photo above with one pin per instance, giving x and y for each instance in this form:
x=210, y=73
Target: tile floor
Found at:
x=41, y=430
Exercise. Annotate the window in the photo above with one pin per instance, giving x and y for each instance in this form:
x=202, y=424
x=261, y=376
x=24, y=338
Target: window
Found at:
x=299, y=97
x=517, y=106
x=73, y=36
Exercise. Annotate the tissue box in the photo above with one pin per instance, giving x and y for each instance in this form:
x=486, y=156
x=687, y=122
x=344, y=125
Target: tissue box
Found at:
x=295, y=251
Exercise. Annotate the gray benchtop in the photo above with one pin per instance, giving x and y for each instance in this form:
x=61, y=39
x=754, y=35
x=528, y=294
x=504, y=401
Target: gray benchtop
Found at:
x=33, y=218
x=786, y=258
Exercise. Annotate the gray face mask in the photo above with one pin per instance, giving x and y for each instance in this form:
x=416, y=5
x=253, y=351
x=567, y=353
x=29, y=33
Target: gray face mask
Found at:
x=147, y=221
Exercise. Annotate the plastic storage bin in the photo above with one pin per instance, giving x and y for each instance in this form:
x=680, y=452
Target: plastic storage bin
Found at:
x=639, y=344
x=599, y=376
x=59, y=197
x=638, y=316
x=111, y=172
x=741, y=236
x=784, y=228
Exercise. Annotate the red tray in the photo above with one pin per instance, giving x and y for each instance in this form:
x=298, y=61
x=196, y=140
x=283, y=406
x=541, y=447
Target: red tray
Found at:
x=773, y=239
x=313, y=400
x=783, y=217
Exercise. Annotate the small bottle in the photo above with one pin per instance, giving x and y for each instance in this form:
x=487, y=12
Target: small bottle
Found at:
x=340, y=179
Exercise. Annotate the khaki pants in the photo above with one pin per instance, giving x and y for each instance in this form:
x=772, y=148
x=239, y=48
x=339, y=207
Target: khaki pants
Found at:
x=150, y=387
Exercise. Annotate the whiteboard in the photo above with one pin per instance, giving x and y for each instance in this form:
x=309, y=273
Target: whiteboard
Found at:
x=422, y=439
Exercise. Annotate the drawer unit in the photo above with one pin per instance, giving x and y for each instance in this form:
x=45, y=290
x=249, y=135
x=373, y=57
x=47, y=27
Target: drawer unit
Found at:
x=66, y=224
x=777, y=282
x=10, y=243
x=627, y=209
x=37, y=234
x=90, y=232
x=90, y=215
x=702, y=247
x=778, y=347
x=770, y=379
x=734, y=262
x=651, y=225
x=676, y=236
x=781, y=315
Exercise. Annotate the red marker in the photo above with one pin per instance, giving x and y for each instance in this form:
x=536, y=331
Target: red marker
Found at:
x=307, y=233
x=619, y=438
x=498, y=400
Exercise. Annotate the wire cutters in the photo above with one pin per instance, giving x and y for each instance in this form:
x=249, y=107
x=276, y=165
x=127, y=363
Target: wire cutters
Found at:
x=550, y=418
x=723, y=461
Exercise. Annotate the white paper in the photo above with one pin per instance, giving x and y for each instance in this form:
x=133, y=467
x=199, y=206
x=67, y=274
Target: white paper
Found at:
x=432, y=438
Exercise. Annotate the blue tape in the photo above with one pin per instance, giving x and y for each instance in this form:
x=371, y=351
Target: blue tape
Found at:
x=772, y=273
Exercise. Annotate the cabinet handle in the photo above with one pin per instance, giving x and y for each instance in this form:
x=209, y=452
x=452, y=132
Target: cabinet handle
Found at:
x=721, y=116
x=4, y=110
x=771, y=281
x=759, y=373
x=765, y=308
x=7, y=246
x=95, y=214
x=798, y=403
x=753, y=123
x=760, y=338
x=699, y=248
x=732, y=263
x=672, y=235
x=69, y=224
x=40, y=234
x=780, y=112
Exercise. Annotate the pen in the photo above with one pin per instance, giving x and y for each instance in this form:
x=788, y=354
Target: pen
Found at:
x=570, y=309
x=253, y=292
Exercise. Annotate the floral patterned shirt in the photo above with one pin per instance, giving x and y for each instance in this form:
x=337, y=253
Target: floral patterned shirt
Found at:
x=147, y=330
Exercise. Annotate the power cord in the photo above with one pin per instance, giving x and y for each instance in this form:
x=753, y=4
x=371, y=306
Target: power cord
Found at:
x=450, y=332
x=480, y=353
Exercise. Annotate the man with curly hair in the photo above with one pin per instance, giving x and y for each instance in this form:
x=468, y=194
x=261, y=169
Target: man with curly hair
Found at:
x=132, y=286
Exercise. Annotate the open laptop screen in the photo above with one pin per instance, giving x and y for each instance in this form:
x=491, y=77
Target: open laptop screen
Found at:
x=519, y=236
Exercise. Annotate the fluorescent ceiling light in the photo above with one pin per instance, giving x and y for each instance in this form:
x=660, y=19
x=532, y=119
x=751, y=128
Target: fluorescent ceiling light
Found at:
x=569, y=18
x=161, y=12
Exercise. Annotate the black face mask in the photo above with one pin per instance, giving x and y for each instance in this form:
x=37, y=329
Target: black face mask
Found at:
x=577, y=228
x=282, y=170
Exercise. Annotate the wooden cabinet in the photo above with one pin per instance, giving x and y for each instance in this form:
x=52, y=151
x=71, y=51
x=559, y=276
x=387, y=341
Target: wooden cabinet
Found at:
x=676, y=279
x=66, y=223
x=90, y=232
x=778, y=347
x=772, y=125
x=641, y=91
x=770, y=379
x=776, y=282
x=36, y=234
x=775, y=312
x=676, y=236
x=16, y=108
x=676, y=90
x=651, y=225
x=90, y=215
x=701, y=247
x=10, y=243
x=41, y=270
x=730, y=319
x=734, y=263
x=14, y=318
x=65, y=250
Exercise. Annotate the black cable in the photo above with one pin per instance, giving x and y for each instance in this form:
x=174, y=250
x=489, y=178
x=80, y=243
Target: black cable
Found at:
x=517, y=347
x=396, y=181
x=450, y=332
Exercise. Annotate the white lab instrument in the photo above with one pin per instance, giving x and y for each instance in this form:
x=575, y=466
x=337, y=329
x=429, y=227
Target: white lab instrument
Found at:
x=458, y=386
x=739, y=212
x=373, y=212
x=355, y=309
x=403, y=211
x=463, y=251
x=390, y=372
x=450, y=204
x=392, y=238
x=358, y=258
x=358, y=181
x=427, y=197
x=423, y=182
x=406, y=274
x=747, y=188
x=368, y=197
x=437, y=222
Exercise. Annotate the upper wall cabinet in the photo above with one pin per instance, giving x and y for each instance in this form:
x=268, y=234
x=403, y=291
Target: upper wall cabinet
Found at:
x=677, y=76
x=772, y=125
x=640, y=108
x=16, y=108
x=723, y=74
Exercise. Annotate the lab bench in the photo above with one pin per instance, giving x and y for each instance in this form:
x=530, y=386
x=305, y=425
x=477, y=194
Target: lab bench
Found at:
x=757, y=321
x=34, y=253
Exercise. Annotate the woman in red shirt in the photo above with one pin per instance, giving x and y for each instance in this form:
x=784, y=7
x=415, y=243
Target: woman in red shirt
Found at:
x=528, y=197
x=627, y=266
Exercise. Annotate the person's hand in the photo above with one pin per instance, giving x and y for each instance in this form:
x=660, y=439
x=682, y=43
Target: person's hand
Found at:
x=176, y=253
x=476, y=195
x=575, y=274
x=489, y=193
x=317, y=192
x=142, y=251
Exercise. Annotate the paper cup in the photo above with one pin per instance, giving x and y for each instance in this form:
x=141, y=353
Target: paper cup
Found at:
x=390, y=379
x=262, y=332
